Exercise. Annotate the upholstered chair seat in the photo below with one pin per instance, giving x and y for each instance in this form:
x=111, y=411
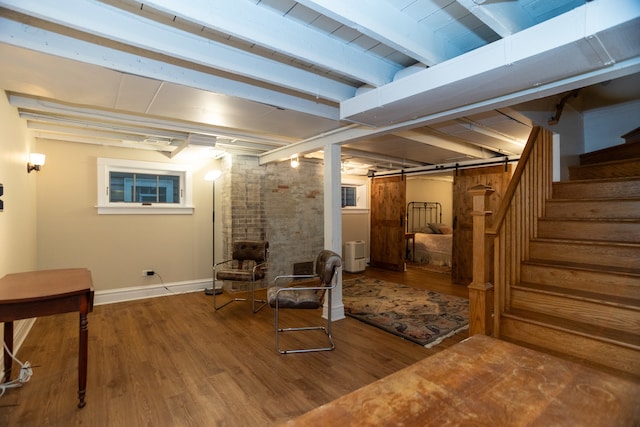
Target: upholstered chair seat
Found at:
x=306, y=295
x=248, y=265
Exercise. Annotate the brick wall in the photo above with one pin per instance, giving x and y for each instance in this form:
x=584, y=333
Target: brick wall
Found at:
x=278, y=203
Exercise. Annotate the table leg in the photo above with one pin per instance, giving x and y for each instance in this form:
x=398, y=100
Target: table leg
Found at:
x=82, y=359
x=8, y=340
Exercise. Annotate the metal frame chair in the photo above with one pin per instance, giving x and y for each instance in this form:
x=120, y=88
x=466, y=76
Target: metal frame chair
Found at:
x=306, y=297
x=237, y=269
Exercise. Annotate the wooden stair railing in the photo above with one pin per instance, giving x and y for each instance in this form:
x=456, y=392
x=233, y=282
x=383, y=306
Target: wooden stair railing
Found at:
x=501, y=241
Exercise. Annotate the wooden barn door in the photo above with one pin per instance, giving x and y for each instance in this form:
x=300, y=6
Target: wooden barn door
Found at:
x=388, y=210
x=498, y=178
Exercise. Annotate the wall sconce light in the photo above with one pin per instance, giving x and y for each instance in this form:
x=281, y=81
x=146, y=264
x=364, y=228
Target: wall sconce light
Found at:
x=36, y=161
x=295, y=162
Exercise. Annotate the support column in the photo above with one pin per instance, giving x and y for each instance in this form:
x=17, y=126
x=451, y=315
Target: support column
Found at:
x=333, y=220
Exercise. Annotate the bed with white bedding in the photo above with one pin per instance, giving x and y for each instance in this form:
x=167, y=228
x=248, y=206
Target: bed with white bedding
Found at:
x=433, y=239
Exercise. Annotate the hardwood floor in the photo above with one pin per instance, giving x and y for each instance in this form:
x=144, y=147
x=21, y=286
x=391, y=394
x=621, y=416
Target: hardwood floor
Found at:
x=172, y=361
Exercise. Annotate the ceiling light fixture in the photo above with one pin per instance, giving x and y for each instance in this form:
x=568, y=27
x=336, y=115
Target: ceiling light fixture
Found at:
x=295, y=162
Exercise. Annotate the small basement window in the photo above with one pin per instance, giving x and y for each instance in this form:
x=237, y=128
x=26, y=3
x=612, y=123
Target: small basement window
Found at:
x=135, y=187
x=353, y=195
x=348, y=196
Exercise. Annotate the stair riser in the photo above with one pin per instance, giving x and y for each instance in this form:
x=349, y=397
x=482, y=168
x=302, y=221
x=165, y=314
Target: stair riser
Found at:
x=619, y=285
x=590, y=209
x=607, y=316
x=628, y=151
x=591, y=230
x=623, y=255
x=595, y=190
x=620, y=169
x=603, y=353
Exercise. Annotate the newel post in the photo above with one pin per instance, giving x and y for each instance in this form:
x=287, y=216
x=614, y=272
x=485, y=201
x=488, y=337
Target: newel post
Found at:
x=480, y=290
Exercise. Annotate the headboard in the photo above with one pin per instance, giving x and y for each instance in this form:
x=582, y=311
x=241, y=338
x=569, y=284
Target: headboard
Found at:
x=421, y=214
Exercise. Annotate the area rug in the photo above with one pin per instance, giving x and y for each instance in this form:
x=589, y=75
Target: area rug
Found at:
x=422, y=316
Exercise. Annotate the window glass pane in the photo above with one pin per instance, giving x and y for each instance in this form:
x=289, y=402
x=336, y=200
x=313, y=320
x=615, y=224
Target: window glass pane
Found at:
x=169, y=189
x=146, y=188
x=120, y=184
x=348, y=196
x=132, y=187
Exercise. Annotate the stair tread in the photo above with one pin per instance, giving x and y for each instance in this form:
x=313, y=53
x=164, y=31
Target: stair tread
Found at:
x=586, y=267
x=593, y=199
x=585, y=241
x=626, y=150
x=606, y=163
x=599, y=180
x=592, y=220
x=614, y=336
x=595, y=297
x=577, y=359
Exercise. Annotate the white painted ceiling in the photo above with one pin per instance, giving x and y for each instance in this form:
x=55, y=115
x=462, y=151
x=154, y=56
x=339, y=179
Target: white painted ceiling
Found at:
x=397, y=83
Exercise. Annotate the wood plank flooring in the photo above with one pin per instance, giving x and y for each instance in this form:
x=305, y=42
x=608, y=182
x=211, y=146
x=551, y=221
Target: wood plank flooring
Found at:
x=172, y=361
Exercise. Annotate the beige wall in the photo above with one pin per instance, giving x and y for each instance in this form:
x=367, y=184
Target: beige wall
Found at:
x=570, y=129
x=355, y=226
x=429, y=188
x=116, y=248
x=356, y=223
x=18, y=220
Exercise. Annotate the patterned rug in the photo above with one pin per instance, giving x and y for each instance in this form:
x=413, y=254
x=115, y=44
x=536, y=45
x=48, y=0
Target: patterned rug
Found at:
x=424, y=317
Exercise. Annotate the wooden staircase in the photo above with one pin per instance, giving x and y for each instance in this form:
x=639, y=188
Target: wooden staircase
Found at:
x=578, y=292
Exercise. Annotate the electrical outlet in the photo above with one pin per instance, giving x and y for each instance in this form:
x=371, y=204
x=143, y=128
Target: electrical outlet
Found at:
x=148, y=272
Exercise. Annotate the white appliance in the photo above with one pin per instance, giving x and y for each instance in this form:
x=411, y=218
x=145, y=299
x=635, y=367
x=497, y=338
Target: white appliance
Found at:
x=354, y=261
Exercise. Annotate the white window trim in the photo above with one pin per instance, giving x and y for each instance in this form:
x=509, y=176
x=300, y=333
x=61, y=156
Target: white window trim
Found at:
x=362, y=200
x=105, y=166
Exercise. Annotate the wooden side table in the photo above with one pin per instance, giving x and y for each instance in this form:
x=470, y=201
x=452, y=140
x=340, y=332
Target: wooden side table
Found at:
x=43, y=293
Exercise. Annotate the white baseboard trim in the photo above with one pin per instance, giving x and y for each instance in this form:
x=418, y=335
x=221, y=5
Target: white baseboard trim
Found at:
x=112, y=296
x=337, y=312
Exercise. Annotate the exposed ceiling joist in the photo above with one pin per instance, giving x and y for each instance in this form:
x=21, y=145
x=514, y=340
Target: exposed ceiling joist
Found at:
x=371, y=17
x=41, y=40
x=397, y=162
x=145, y=34
x=431, y=137
x=150, y=122
x=273, y=78
x=93, y=131
x=271, y=30
x=589, y=34
x=44, y=136
x=505, y=18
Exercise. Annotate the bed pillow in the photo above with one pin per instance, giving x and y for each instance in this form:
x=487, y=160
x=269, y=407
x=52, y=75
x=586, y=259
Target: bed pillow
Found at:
x=424, y=230
x=441, y=228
